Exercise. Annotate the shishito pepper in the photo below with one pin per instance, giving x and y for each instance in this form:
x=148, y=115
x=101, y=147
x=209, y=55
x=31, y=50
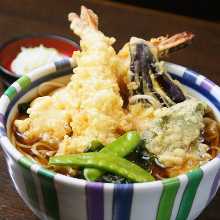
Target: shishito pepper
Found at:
x=121, y=147
x=104, y=161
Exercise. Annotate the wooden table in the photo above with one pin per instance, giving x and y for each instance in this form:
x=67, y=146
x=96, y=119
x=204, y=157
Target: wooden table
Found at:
x=120, y=21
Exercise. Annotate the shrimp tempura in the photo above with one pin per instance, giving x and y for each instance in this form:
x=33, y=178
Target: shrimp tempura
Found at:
x=90, y=106
x=98, y=114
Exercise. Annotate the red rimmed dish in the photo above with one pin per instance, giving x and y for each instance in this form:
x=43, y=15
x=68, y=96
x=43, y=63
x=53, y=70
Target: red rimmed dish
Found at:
x=10, y=49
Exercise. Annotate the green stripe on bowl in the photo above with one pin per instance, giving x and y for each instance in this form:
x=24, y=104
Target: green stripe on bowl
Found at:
x=170, y=188
x=11, y=92
x=194, y=179
x=49, y=193
x=25, y=165
x=24, y=82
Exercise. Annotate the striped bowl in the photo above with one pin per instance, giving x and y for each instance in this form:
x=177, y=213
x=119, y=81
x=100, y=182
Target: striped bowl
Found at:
x=54, y=196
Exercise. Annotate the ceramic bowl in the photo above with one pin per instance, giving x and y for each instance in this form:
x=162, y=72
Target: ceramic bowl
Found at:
x=10, y=49
x=54, y=196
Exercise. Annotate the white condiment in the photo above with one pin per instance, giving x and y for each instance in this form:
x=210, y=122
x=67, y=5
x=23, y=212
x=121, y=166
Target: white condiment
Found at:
x=31, y=58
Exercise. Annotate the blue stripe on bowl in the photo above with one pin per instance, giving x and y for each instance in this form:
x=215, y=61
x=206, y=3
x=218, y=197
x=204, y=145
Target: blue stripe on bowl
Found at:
x=63, y=64
x=2, y=131
x=2, y=128
x=95, y=201
x=122, y=201
x=190, y=76
x=192, y=72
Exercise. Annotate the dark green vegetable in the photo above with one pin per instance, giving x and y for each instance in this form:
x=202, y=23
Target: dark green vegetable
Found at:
x=23, y=107
x=142, y=157
x=95, y=146
x=121, y=147
x=113, y=178
x=104, y=161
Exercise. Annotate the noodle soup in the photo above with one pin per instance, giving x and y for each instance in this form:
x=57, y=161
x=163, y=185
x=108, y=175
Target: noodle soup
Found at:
x=122, y=118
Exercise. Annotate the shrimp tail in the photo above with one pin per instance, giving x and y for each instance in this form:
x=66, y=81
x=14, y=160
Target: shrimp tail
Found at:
x=88, y=16
x=167, y=45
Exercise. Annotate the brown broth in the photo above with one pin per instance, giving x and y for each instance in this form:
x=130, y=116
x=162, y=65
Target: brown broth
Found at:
x=157, y=171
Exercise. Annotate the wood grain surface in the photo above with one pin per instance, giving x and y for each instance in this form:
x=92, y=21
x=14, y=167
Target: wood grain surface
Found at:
x=121, y=21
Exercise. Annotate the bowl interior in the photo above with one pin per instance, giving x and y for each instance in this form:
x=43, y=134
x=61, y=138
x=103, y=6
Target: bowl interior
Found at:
x=9, y=50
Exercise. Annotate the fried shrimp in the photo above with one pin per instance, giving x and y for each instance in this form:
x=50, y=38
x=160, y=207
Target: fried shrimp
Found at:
x=95, y=108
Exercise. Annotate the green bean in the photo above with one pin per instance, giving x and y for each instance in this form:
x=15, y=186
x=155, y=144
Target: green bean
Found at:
x=104, y=161
x=121, y=147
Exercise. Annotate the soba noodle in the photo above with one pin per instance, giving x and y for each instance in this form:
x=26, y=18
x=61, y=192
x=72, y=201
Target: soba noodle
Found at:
x=37, y=150
x=47, y=87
